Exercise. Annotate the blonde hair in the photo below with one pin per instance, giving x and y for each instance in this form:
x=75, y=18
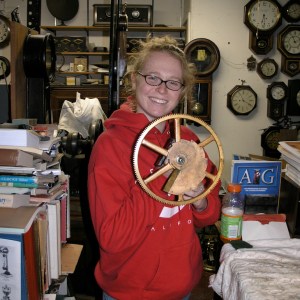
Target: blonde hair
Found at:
x=166, y=44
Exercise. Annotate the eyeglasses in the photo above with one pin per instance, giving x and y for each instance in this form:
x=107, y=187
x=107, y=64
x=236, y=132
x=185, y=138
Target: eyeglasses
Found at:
x=153, y=80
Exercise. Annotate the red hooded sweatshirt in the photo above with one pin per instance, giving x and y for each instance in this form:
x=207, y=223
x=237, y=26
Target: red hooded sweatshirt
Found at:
x=148, y=250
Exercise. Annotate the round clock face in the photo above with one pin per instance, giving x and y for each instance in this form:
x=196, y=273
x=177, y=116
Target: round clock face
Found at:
x=291, y=11
x=291, y=41
x=264, y=15
x=272, y=139
x=4, y=30
x=242, y=100
x=204, y=54
x=5, y=67
x=267, y=68
x=278, y=92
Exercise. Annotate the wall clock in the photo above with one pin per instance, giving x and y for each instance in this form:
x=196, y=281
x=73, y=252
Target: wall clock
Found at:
x=291, y=11
x=277, y=93
x=4, y=67
x=269, y=141
x=267, y=68
x=4, y=31
x=293, y=103
x=262, y=18
x=288, y=43
x=241, y=100
x=204, y=54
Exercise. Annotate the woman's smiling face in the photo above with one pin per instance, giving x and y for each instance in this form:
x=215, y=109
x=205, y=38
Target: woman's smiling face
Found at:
x=157, y=101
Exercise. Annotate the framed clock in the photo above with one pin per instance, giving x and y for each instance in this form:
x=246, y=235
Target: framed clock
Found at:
x=293, y=103
x=5, y=67
x=291, y=11
x=4, y=31
x=241, y=100
x=277, y=93
x=204, y=54
x=262, y=18
x=267, y=68
x=288, y=43
x=269, y=141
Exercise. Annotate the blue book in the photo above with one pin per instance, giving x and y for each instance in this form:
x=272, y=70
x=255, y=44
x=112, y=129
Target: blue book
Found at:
x=13, y=281
x=260, y=181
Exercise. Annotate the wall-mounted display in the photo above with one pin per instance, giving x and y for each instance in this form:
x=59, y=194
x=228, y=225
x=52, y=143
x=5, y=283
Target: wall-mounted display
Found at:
x=277, y=93
x=262, y=18
x=267, y=68
x=288, y=43
x=241, y=100
x=291, y=11
x=4, y=31
x=204, y=54
x=5, y=67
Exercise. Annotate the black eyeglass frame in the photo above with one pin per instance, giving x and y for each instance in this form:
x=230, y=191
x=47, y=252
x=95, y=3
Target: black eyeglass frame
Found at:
x=161, y=81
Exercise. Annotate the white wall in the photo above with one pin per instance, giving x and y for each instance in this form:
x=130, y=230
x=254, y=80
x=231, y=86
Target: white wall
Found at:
x=222, y=22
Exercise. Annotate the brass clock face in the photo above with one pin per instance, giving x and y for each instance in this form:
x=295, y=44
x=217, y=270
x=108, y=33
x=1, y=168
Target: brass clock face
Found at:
x=267, y=68
x=263, y=15
x=4, y=31
x=270, y=140
x=204, y=54
x=242, y=100
x=291, y=11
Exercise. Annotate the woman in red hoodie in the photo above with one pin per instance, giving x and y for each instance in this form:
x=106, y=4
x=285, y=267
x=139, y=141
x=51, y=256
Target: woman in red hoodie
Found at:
x=148, y=250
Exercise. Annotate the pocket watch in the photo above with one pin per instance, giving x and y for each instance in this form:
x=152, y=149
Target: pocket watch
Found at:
x=291, y=11
x=4, y=31
x=4, y=67
x=204, y=54
x=277, y=93
x=267, y=68
x=241, y=100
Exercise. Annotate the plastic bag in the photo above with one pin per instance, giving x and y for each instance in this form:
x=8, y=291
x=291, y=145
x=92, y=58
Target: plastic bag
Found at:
x=77, y=116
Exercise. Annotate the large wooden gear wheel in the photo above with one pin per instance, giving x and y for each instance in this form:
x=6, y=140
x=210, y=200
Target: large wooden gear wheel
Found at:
x=184, y=159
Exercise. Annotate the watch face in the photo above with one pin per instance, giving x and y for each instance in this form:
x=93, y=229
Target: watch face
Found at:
x=263, y=15
x=4, y=30
x=204, y=54
x=242, y=100
x=291, y=41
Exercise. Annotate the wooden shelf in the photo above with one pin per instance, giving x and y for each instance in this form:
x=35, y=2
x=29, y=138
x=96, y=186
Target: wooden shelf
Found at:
x=107, y=28
x=83, y=53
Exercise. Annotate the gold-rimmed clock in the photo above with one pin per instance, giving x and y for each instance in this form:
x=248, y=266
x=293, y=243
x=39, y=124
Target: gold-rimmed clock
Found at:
x=262, y=18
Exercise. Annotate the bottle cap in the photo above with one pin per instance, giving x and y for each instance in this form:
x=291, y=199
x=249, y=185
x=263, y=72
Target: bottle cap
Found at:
x=234, y=188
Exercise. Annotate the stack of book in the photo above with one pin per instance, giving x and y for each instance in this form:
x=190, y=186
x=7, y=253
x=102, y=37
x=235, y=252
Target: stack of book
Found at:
x=29, y=172
x=33, y=188
x=290, y=153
